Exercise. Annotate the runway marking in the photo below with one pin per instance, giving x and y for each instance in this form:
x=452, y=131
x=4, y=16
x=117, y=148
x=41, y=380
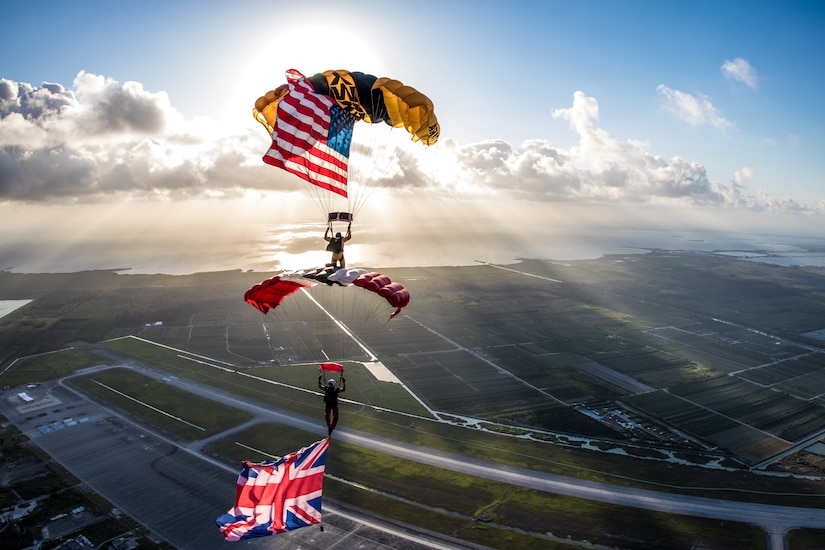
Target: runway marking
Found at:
x=147, y=405
x=542, y=277
x=253, y=449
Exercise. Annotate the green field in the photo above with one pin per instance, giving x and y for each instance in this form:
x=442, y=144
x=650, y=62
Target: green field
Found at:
x=720, y=352
x=479, y=510
x=545, y=452
x=728, y=339
x=173, y=411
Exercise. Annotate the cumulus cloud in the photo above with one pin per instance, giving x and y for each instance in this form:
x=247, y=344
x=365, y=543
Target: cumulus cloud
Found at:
x=598, y=168
x=103, y=140
x=96, y=109
x=743, y=176
x=739, y=70
x=30, y=102
x=111, y=108
x=696, y=110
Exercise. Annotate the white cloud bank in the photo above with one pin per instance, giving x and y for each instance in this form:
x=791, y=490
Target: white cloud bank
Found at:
x=107, y=141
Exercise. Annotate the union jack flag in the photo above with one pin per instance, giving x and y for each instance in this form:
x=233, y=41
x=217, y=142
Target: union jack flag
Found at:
x=272, y=497
x=312, y=136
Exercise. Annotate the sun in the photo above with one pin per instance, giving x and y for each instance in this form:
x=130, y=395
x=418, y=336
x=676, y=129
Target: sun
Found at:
x=310, y=49
x=316, y=48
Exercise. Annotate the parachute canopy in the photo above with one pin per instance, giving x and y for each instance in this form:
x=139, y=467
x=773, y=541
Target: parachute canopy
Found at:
x=271, y=293
x=311, y=121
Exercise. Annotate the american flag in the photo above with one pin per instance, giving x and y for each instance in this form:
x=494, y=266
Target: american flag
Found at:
x=312, y=136
x=272, y=497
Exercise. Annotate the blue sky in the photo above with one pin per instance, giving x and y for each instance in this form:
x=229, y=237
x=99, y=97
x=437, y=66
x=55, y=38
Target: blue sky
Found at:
x=706, y=109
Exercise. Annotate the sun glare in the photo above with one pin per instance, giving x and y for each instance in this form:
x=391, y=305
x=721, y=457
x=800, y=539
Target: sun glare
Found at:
x=308, y=48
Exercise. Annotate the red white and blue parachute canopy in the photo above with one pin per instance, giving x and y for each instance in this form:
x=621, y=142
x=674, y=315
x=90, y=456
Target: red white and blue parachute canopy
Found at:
x=272, y=292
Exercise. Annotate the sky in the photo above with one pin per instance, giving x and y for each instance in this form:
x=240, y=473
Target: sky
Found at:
x=127, y=139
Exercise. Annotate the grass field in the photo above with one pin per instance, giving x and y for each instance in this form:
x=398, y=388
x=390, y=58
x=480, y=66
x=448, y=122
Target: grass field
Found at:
x=490, y=513
x=479, y=510
x=554, y=454
x=726, y=337
x=173, y=411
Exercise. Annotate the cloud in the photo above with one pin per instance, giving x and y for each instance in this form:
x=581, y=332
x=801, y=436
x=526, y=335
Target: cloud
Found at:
x=106, y=141
x=22, y=99
x=97, y=108
x=696, y=110
x=112, y=108
x=740, y=70
x=598, y=168
x=743, y=176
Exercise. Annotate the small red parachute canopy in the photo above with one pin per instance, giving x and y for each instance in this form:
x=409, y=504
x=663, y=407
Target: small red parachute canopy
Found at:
x=271, y=293
x=330, y=367
x=396, y=295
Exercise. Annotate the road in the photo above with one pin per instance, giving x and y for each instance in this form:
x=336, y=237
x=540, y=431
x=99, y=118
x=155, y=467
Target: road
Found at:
x=775, y=520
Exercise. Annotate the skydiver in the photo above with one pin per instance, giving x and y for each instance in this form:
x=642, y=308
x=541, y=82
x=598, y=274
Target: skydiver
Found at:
x=336, y=246
x=331, y=400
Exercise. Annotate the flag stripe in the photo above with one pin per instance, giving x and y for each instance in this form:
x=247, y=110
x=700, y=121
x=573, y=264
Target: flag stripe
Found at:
x=299, y=142
x=313, y=173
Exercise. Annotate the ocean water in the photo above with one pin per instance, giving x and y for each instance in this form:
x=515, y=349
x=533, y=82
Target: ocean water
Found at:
x=300, y=245
x=276, y=233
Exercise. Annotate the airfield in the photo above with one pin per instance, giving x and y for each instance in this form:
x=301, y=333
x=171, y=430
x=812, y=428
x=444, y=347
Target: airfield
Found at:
x=675, y=359
x=129, y=460
x=178, y=493
x=566, y=349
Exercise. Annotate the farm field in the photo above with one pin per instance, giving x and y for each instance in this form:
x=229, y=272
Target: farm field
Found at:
x=132, y=466
x=663, y=349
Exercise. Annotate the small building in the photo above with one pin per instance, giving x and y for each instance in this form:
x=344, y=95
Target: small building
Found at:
x=26, y=398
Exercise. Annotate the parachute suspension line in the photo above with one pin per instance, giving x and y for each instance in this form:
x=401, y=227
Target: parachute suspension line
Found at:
x=276, y=357
x=370, y=144
x=319, y=196
x=326, y=202
x=369, y=158
x=380, y=153
x=380, y=149
x=342, y=326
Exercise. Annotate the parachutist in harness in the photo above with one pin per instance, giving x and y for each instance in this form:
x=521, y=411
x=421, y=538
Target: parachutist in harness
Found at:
x=336, y=246
x=331, y=391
